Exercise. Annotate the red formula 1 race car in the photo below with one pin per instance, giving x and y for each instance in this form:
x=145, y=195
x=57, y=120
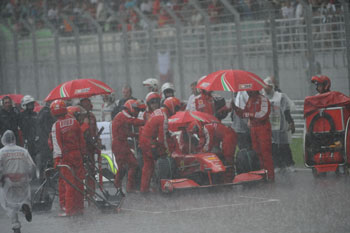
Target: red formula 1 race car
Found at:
x=188, y=168
x=326, y=133
x=183, y=171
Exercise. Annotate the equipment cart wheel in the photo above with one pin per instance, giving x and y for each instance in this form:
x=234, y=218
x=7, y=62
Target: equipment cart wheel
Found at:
x=317, y=174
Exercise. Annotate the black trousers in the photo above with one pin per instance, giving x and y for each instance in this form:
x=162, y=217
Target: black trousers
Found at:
x=282, y=155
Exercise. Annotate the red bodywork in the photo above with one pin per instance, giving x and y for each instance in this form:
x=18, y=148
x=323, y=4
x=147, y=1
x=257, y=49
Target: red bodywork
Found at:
x=327, y=148
x=207, y=164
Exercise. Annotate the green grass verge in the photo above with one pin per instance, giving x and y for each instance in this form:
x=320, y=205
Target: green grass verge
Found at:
x=297, y=151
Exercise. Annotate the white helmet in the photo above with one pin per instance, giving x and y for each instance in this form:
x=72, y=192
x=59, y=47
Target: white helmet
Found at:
x=167, y=86
x=151, y=82
x=27, y=99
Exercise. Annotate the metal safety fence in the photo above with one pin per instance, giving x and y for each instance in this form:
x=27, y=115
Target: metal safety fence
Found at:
x=176, y=44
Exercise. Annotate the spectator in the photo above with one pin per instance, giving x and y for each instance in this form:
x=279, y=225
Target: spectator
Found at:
x=214, y=10
x=9, y=117
x=127, y=94
x=282, y=124
x=196, y=18
x=287, y=11
x=191, y=100
x=101, y=13
x=146, y=7
x=52, y=15
x=16, y=169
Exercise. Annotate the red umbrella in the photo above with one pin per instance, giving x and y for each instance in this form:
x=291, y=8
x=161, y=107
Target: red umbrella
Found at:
x=231, y=80
x=16, y=98
x=183, y=118
x=79, y=88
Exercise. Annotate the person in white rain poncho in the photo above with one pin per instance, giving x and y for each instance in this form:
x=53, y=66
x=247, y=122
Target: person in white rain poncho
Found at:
x=16, y=168
x=282, y=125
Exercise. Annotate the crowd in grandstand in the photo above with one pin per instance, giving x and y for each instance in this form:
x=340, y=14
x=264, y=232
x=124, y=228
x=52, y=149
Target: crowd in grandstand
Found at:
x=112, y=13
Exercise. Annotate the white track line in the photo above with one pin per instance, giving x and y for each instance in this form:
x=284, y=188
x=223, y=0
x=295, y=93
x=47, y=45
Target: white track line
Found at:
x=203, y=208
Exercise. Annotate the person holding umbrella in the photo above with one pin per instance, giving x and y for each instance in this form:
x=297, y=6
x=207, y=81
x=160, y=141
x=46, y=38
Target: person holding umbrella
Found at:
x=68, y=148
x=257, y=110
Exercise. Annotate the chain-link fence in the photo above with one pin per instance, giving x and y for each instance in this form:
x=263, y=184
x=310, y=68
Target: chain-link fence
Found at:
x=177, y=43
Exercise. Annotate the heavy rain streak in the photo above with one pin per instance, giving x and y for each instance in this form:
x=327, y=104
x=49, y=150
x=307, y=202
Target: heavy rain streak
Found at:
x=175, y=116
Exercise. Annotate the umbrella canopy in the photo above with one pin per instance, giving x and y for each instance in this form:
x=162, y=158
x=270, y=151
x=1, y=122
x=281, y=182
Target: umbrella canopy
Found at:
x=231, y=80
x=183, y=118
x=79, y=88
x=16, y=98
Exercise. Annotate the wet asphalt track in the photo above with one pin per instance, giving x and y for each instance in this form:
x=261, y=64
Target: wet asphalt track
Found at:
x=296, y=202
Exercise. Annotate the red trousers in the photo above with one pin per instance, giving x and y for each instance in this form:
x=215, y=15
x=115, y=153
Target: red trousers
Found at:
x=148, y=168
x=125, y=158
x=262, y=145
x=73, y=199
x=228, y=149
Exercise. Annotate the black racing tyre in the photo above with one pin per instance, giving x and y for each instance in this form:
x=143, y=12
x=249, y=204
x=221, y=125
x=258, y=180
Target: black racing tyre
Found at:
x=246, y=161
x=165, y=168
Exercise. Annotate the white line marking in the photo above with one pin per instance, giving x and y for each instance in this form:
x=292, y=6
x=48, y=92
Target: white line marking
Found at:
x=202, y=208
x=261, y=198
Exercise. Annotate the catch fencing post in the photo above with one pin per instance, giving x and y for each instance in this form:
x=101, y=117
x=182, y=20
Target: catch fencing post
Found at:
x=207, y=33
x=237, y=17
x=16, y=57
x=32, y=30
x=100, y=44
x=150, y=37
x=77, y=42
x=126, y=56
x=178, y=26
x=310, y=45
x=57, y=48
x=347, y=36
x=272, y=17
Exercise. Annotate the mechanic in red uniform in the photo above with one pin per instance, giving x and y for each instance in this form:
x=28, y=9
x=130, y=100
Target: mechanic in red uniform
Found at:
x=322, y=82
x=212, y=135
x=204, y=102
x=74, y=111
x=91, y=142
x=257, y=110
x=155, y=139
x=122, y=129
x=68, y=147
x=153, y=103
